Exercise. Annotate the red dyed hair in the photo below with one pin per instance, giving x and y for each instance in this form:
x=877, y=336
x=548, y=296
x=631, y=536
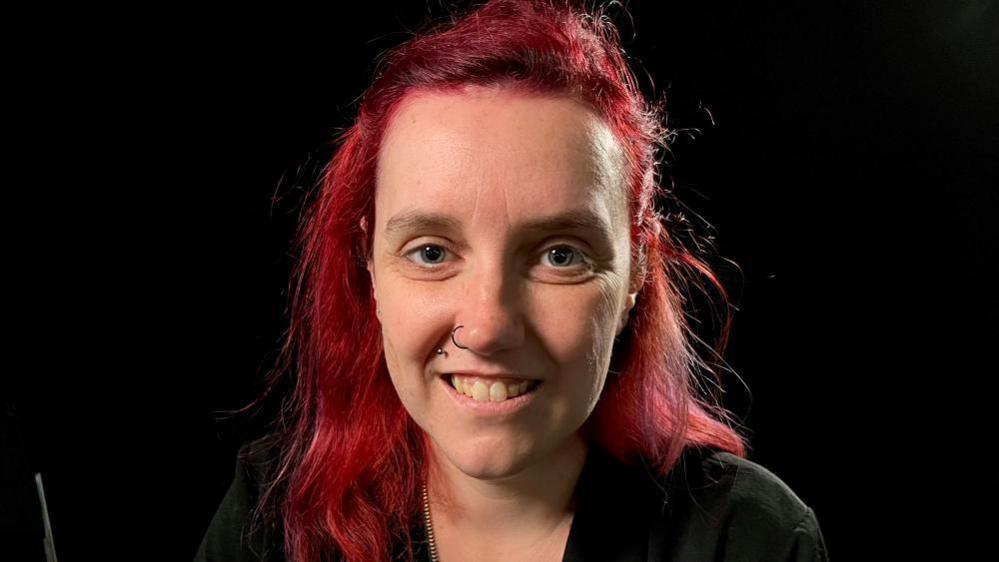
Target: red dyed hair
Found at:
x=348, y=459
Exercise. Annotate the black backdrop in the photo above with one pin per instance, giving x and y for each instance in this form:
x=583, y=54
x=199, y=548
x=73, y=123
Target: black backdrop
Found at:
x=844, y=155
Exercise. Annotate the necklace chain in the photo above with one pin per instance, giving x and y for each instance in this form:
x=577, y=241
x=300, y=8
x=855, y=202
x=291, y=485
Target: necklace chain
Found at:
x=431, y=543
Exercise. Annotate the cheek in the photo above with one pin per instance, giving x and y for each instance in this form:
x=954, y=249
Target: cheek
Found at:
x=579, y=327
x=411, y=329
x=391, y=358
x=405, y=376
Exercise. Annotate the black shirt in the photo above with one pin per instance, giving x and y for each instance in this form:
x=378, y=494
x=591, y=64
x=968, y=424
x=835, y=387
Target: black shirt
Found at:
x=713, y=506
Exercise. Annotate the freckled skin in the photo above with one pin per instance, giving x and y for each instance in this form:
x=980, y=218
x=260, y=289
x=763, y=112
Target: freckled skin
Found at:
x=494, y=159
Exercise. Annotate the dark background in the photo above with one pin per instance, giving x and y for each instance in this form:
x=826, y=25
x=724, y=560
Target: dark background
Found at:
x=160, y=158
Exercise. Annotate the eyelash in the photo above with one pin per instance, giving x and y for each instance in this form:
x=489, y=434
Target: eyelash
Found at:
x=584, y=265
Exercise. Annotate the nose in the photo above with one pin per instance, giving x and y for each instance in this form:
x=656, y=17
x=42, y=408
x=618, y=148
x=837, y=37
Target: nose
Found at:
x=491, y=311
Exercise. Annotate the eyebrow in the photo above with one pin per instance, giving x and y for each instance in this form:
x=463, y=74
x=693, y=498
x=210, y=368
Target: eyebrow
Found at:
x=576, y=219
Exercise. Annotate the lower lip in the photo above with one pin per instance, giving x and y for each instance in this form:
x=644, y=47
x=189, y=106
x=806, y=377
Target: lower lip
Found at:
x=508, y=406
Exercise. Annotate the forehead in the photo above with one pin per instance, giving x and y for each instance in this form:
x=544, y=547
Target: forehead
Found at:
x=490, y=151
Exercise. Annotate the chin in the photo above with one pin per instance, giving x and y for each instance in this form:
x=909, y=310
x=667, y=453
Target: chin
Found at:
x=488, y=459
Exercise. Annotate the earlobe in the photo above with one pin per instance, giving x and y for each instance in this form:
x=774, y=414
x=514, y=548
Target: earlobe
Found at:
x=369, y=264
x=374, y=290
x=363, y=225
x=371, y=273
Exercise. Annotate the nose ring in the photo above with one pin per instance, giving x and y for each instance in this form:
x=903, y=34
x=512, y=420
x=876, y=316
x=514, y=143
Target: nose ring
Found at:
x=454, y=341
x=440, y=351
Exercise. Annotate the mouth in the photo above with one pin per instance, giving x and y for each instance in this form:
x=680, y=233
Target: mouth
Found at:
x=489, y=388
x=490, y=395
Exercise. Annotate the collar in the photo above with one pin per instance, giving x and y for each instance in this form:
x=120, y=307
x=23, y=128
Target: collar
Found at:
x=616, y=506
x=614, y=502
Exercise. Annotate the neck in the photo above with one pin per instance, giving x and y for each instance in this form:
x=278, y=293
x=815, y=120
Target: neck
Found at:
x=523, y=508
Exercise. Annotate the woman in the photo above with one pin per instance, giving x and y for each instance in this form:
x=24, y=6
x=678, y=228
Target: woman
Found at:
x=487, y=337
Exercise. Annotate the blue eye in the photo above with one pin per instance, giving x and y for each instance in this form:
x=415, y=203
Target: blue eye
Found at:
x=559, y=255
x=432, y=251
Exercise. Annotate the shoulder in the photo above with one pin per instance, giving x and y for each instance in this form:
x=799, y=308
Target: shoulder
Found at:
x=720, y=503
x=232, y=534
x=745, y=486
x=255, y=462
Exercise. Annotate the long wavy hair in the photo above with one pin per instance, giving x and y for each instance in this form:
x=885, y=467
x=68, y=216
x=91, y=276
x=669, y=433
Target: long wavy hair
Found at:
x=348, y=461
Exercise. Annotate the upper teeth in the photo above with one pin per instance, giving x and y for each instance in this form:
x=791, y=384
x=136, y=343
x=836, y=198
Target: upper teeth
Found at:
x=484, y=391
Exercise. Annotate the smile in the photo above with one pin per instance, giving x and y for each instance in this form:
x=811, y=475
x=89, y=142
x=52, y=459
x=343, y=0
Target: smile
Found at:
x=489, y=389
x=489, y=397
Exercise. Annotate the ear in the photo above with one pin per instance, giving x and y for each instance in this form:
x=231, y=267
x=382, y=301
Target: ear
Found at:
x=629, y=304
x=368, y=263
x=636, y=279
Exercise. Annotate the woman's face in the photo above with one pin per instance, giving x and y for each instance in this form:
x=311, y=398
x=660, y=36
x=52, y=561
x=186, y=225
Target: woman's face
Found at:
x=468, y=194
